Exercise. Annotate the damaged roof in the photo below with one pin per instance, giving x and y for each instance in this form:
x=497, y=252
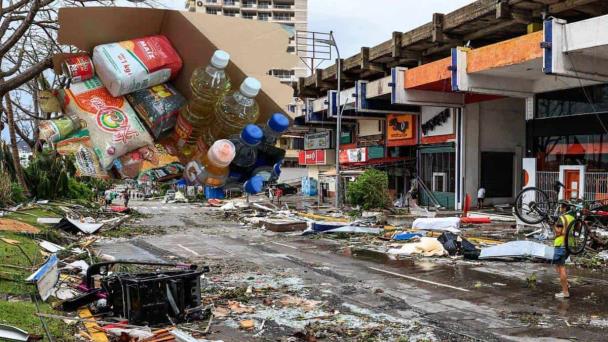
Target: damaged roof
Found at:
x=481, y=23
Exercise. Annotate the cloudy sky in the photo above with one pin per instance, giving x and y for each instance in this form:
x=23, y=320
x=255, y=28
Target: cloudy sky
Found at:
x=358, y=23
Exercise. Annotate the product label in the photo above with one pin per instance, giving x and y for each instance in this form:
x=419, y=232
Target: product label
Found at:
x=115, y=121
x=79, y=68
x=183, y=129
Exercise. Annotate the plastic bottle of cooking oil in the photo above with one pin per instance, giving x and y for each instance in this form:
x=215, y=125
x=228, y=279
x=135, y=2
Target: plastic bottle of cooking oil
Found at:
x=212, y=168
x=209, y=84
x=235, y=111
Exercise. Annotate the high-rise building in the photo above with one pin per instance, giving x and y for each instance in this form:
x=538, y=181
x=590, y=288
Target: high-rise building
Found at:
x=292, y=14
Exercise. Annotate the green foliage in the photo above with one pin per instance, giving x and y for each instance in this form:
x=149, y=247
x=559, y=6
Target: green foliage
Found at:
x=370, y=190
x=79, y=190
x=17, y=194
x=47, y=175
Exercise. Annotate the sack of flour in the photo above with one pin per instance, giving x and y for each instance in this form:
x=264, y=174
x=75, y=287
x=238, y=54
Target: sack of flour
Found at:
x=135, y=64
x=113, y=125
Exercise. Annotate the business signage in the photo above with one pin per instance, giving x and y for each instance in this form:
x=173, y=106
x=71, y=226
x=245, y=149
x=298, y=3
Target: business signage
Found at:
x=353, y=155
x=437, y=121
x=399, y=127
x=314, y=157
x=317, y=141
x=375, y=152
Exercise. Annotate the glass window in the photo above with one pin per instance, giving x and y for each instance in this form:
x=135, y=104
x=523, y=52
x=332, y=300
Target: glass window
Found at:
x=590, y=150
x=584, y=100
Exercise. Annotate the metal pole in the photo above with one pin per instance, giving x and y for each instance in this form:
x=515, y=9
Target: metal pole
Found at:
x=338, y=119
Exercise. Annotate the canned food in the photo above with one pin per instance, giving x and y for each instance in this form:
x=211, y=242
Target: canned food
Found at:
x=79, y=68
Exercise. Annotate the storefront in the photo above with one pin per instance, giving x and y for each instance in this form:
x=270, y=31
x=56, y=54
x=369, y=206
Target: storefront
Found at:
x=568, y=138
x=437, y=169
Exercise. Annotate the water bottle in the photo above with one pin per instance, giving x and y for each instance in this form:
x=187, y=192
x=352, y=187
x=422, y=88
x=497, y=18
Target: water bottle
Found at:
x=212, y=168
x=235, y=111
x=253, y=185
x=269, y=174
x=209, y=84
x=275, y=126
x=246, y=146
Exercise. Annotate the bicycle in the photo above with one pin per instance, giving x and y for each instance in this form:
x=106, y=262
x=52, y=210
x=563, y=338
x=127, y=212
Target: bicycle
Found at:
x=533, y=206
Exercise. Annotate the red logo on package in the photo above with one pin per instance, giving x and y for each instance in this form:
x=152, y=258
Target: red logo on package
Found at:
x=156, y=53
x=183, y=128
x=79, y=68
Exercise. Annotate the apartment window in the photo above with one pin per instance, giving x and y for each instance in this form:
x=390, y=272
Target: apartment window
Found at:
x=211, y=1
x=264, y=16
x=291, y=49
x=263, y=4
x=212, y=10
x=248, y=4
x=281, y=73
x=248, y=15
x=283, y=17
x=282, y=6
x=230, y=13
x=229, y=3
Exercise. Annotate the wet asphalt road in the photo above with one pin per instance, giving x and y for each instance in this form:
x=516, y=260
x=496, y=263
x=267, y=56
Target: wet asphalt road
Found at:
x=457, y=300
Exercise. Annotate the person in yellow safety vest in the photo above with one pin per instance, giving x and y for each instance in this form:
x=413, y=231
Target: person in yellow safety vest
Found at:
x=561, y=254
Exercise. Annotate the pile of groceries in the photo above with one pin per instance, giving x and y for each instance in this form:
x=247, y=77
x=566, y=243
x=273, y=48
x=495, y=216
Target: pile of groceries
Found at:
x=123, y=119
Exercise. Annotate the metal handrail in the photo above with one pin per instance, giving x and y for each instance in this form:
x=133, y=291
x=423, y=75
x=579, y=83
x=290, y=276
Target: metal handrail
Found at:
x=428, y=192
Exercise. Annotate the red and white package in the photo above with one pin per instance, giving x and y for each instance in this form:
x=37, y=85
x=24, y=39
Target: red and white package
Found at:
x=135, y=64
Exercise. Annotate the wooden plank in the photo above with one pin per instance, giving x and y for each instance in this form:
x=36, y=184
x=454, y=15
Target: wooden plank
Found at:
x=93, y=328
x=282, y=226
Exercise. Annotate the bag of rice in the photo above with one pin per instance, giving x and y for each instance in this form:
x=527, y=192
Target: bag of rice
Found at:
x=114, y=127
x=135, y=64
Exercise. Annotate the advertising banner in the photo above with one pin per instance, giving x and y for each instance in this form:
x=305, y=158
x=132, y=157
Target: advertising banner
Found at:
x=317, y=141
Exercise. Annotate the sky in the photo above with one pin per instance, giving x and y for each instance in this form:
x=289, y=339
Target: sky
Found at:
x=359, y=23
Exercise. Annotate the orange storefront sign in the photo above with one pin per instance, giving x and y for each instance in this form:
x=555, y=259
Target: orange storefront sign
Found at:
x=400, y=130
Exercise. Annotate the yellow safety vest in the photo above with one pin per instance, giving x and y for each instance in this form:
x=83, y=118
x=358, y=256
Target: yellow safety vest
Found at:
x=566, y=220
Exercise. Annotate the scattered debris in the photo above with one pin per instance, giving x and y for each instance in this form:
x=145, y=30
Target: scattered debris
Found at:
x=10, y=333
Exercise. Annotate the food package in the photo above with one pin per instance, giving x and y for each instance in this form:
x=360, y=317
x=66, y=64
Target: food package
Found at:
x=58, y=129
x=86, y=161
x=135, y=64
x=146, y=158
x=158, y=107
x=113, y=125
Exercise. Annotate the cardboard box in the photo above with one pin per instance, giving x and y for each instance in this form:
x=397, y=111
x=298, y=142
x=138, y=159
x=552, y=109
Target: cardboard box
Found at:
x=255, y=47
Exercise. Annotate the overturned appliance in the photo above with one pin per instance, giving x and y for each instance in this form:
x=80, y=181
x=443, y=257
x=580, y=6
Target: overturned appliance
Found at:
x=166, y=295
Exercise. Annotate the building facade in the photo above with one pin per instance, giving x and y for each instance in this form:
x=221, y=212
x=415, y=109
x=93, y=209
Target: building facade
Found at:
x=291, y=14
x=494, y=99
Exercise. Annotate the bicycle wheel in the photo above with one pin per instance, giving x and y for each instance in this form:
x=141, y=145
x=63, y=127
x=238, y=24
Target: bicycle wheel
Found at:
x=532, y=205
x=577, y=235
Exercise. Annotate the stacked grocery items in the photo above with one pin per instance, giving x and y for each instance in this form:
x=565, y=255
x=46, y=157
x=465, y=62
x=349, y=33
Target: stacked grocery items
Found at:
x=122, y=118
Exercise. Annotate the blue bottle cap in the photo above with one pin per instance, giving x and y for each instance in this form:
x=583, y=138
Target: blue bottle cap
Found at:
x=252, y=134
x=276, y=169
x=254, y=185
x=278, y=122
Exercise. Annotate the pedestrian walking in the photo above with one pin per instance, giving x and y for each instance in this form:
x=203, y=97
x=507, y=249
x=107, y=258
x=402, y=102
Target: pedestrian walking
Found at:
x=481, y=196
x=561, y=254
x=126, y=198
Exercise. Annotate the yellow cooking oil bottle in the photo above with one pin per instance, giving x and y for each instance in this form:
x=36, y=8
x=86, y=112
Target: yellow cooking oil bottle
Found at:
x=209, y=84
